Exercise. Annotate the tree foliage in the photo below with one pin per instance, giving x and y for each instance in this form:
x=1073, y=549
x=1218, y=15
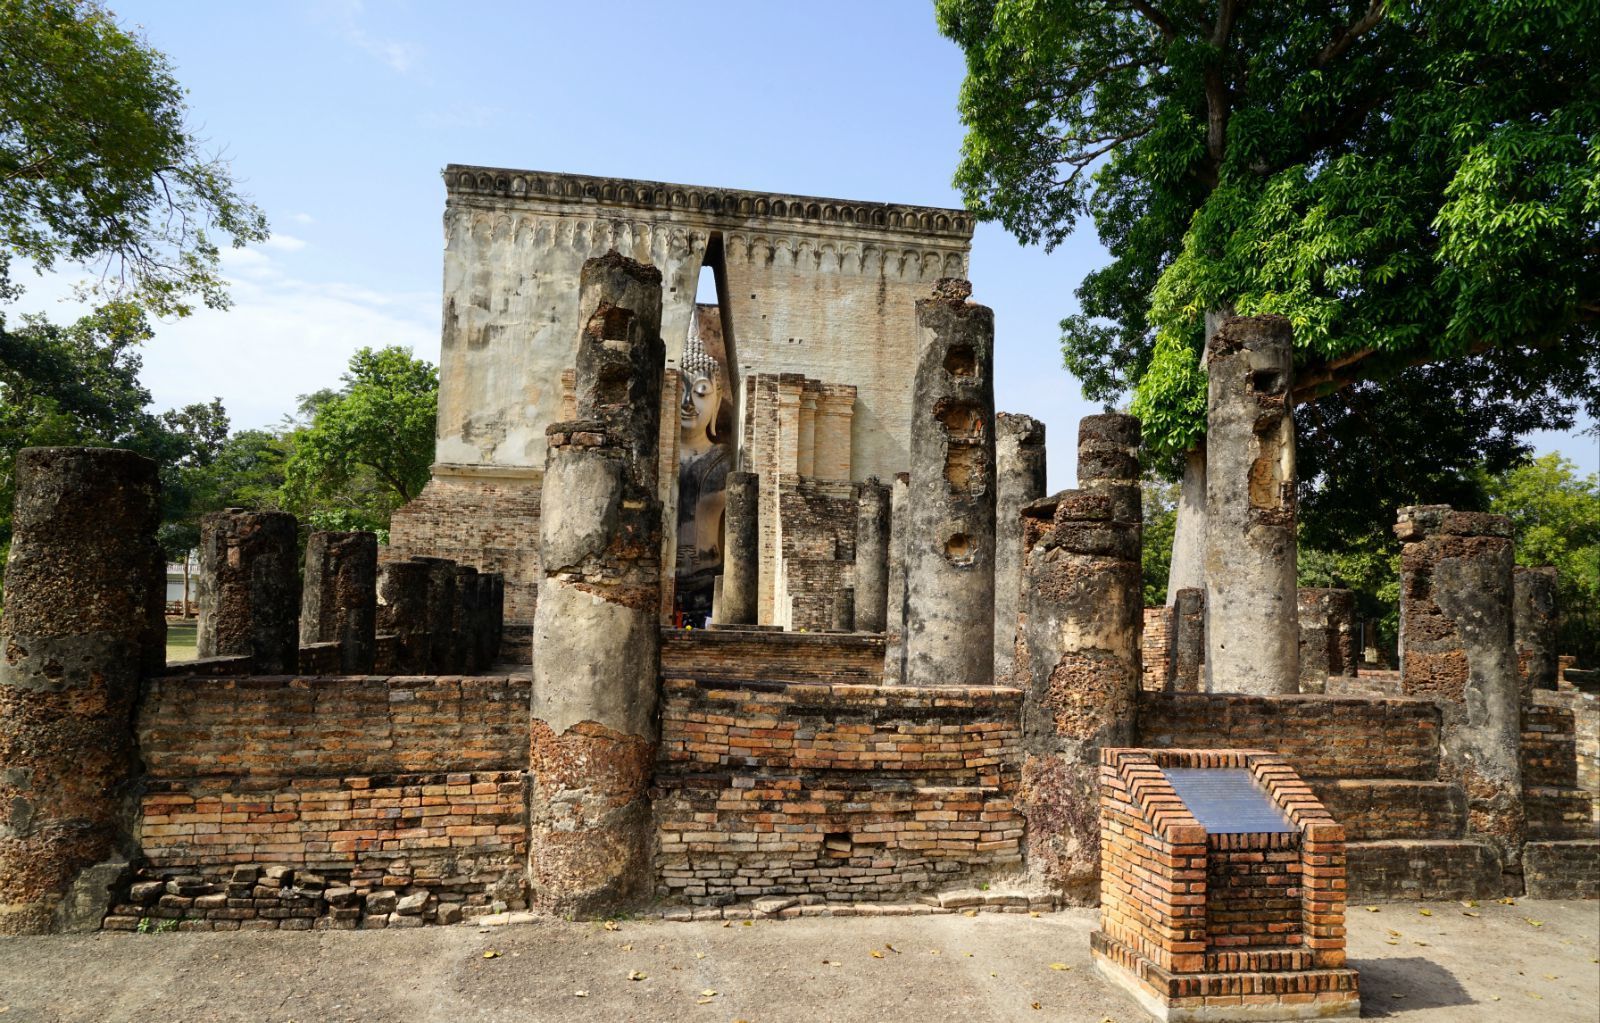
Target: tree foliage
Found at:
x=1408, y=182
x=368, y=446
x=97, y=166
x=1556, y=513
x=1160, y=500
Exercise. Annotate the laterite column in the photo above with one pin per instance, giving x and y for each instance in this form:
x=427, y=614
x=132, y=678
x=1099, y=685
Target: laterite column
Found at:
x=596, y=639
x=1019, y=481
x=250, y=589
x=1537, y=621
x=1327, y=636
x=403, y=611
x=949, y=636
x=339, y=601
x=1456, y=648
x=1188, y=640
x=741, y=556
x=872, y=556
x=1252, y=632
x=442, y=599
x=81, y=583
x=1078, y=665
x=894, y=636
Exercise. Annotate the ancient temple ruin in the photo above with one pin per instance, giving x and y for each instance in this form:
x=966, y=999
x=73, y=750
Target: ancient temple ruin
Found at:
x=762, y=608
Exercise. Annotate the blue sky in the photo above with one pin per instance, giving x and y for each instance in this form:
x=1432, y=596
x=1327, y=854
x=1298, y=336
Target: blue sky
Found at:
x=338, y=115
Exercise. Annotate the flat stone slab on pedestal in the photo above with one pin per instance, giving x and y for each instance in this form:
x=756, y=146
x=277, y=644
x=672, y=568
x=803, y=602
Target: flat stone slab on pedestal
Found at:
x=1227, y=801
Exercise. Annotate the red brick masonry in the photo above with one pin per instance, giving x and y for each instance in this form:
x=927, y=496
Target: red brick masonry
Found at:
x=853, y=792
x=1204, y=926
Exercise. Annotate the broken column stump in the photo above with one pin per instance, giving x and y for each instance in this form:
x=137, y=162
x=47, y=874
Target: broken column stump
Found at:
x=1078, y=666
x=441, y=615
x=894, y=635
x=596, y=639
x=403, y=612
x=250, y=589
x=741, y=556
x=872, y=556
x=1108, y=462
x=1327, y=636
x=949, y=635
x=1536, y=628
x=1456, y=648
x=339, y=601
x=1189, y=640
x=1252, y=635
x=1223, y=891
x=1019, y=481
x=84, y=592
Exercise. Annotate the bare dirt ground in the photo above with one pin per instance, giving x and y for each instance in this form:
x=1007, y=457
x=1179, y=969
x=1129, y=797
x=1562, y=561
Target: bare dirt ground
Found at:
x=1531, y=961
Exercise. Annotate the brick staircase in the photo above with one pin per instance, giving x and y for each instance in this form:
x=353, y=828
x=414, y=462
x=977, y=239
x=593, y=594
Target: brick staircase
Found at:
x=1562, y=856
x=1374, y=763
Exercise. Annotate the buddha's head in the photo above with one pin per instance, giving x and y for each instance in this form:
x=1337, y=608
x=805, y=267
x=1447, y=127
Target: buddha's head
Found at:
x=700, y=398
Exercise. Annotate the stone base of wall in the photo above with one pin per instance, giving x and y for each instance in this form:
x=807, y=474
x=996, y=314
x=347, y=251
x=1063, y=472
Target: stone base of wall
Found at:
x=1403, y=869
x=765, y=653
x=1562, y=870
x=848, y=792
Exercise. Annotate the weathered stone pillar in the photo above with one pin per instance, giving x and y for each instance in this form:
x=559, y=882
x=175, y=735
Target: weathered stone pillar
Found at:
x=463, y=620
x=596, y=641
x=1078, y=665
x=844, y=609
x=894, y=636
x=1252, y=636
x=250, y=589
x=1108, y=462
x=403, y=611
x=872, y=557
x=949, y=636
x=1536, y=623
x=1188, y=639
x=741, y=549
x=339, y=597
x=1456, y=648
x=1327, y=636
x=497, y=618
x=77, y=631
x=482, y=623
x=1019, y=481
x=442, y=598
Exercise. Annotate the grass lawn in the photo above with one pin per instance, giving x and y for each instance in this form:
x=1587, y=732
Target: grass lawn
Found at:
x=180, y=640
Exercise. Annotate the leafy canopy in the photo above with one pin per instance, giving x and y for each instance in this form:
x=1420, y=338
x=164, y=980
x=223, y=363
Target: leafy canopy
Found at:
x=1407, y=182
x=98, y=168
x=369, y=445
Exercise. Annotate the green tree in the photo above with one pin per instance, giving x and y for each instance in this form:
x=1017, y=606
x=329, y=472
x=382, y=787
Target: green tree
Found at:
x=97, y=166
x=368, y=446
x=1412, y=184
x=1557, y=517
x=1160, y=523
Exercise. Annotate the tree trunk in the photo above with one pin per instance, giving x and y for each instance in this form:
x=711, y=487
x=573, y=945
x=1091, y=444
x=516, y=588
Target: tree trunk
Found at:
x=186, y=556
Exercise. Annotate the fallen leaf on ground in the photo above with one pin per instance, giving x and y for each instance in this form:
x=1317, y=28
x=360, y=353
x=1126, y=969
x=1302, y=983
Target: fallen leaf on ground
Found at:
x=636, y=975
x=699, y=955
x=709, y=992
x=1470, y=903
x=704, y=1001
x=626, y=946
x=1060, y=966
x=610, y=925
x=748, y=923
x=1425, y=912
x=830, y=962
x=1532, y=922
x=969, y=912
x=727, y=923
x=891, y=948
x=1372, y=909
x=1036, y=1005
x=1507, y=901
x=876, y=954
x=580, y=994
x=1468, y=912
x=933, y=951
x=1034, y=913
x=491, y=954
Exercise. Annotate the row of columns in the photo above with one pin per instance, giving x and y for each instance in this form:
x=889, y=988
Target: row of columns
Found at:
x=446, y=617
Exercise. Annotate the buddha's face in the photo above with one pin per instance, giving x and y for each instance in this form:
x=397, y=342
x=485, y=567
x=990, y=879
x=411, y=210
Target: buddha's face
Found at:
x=698, y=409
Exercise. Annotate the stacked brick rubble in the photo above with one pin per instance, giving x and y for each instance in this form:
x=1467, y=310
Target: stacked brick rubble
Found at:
x=1252, y=639
x=949, y=634
x=1155, y=649
x=1078, y=665
x=249, y=589
x=1456, y=648
x=82, y=620
x=596, y=640
x=1019, y=481
x=339, y=599
x=1199, y=925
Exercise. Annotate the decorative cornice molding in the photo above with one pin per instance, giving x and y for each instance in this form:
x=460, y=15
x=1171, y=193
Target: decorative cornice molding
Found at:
x=722, y=206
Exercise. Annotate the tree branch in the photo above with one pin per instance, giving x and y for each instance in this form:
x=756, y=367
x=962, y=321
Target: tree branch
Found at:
x=1353, y=31
x=1169, y=32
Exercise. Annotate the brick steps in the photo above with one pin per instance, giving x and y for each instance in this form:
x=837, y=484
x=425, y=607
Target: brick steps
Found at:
x=1562, y=870
x=1394, y=808
x=1429, y=869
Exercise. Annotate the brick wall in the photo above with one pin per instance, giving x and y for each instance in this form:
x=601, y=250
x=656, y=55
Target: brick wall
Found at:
x=357, y=786
x=484, y=518
x=1323, y=737
x=772, y=655
x=818, y=547
x=855, y=793
x=1155, y=648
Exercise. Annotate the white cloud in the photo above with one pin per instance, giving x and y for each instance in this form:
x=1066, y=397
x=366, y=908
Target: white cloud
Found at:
x=345, y=17
x=302, y=218
x=286, y=242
